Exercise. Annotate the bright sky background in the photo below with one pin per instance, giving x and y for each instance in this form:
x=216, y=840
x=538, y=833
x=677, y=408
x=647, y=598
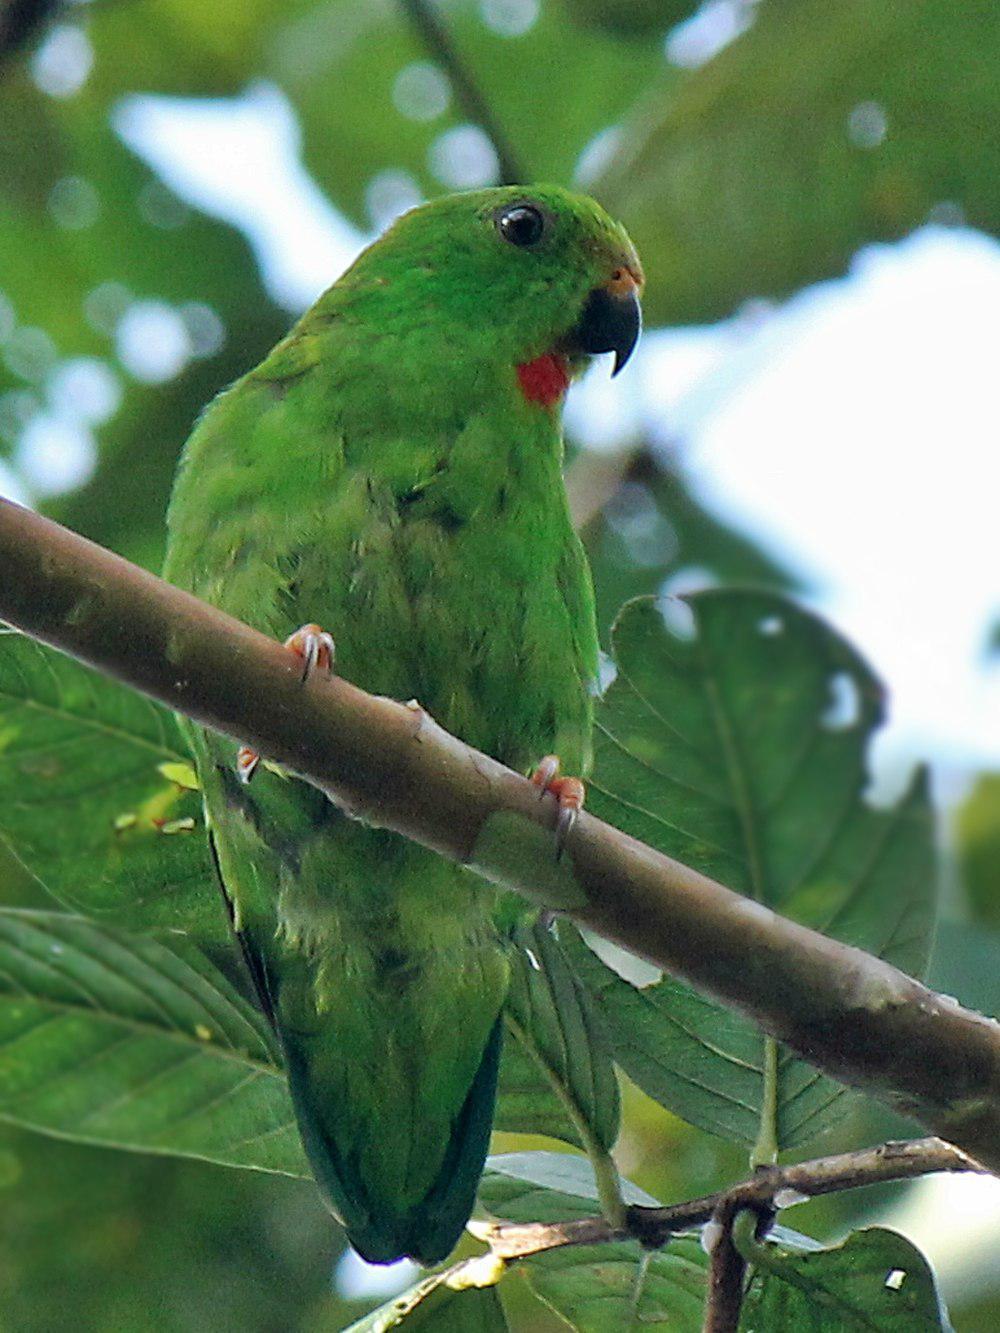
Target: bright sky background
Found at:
x=853, y=431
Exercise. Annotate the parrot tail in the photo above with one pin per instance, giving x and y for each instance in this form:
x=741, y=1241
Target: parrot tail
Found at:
x=378, y=1230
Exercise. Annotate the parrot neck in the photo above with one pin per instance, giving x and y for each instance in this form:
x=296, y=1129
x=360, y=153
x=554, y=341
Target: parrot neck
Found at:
x=544, y=380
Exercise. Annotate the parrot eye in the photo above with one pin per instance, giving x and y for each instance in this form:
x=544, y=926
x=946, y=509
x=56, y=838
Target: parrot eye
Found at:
x=521, y=224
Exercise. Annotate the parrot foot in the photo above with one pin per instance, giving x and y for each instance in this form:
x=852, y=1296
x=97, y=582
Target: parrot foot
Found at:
x=316, y=648
x=569, y=793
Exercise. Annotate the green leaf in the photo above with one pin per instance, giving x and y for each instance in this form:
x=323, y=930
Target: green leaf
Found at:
x=741, y=751
x=441, y=1303
x=608, y=1288
x=563, y=1180
x=875, y=1280
x=115, y=1039
x=85, y=805
x=966, y=964
x=823, y=128
x=549, y=1015
x=526, y=1102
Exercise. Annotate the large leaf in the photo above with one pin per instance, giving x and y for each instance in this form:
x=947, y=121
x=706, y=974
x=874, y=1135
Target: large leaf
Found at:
x=549, y=1015
x=90, y=800
x=977, y=835
x=822, y=128
x=607, y=1288
x=115, y=1039
x=741, y=751
x=875, y=1280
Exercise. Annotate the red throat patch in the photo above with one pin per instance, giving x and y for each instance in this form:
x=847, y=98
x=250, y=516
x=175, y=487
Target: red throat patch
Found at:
x=544, y=380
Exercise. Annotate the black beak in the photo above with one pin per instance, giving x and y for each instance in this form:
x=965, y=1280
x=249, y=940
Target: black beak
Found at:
x=611, y=322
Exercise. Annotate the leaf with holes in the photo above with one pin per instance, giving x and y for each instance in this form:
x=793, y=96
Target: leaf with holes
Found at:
x=548, y=1015
x=876, y=1279
x=89, y=797
x=738, y=746
x=114, y=1039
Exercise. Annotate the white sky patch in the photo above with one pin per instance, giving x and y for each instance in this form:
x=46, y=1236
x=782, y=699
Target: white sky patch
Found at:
x=55, y=455
x=861, y=446
x=707, y=31
x=954, y=1220
x=357, y=1280
x=238, y=159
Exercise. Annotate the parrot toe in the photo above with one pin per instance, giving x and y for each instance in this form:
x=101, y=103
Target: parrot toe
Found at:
x=569, y=793
x=316, y=648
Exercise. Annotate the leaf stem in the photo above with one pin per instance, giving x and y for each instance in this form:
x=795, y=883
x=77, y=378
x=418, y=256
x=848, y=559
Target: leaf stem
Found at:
x=765, y=1150
x=606, y=1176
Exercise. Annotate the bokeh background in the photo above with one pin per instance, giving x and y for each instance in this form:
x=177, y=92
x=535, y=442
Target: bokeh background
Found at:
x=815, y=190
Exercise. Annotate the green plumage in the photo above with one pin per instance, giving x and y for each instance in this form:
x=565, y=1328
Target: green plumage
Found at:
x=383, y=474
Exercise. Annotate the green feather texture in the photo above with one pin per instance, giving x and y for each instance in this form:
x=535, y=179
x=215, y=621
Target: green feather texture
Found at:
x=383, y=473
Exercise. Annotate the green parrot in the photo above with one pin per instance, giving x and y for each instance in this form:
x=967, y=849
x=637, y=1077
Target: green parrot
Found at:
x=393, y=471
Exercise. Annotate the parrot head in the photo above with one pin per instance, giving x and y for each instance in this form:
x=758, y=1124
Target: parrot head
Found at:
x=538, y=278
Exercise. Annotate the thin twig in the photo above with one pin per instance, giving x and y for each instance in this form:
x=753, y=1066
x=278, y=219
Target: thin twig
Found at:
x=726, y=1270
x=437, y=40
x=766, y=1190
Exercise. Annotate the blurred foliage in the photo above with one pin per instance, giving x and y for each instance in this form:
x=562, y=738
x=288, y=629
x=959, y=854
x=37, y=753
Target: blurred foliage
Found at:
x=119, y=1243
x=977, y=837
x=632, y=18
x=820, y=128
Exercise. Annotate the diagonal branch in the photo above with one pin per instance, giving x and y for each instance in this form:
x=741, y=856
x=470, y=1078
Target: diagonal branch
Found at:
x=854, y=1016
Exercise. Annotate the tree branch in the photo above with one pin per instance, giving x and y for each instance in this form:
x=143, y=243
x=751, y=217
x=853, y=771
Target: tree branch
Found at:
x=726, y=1271
x=854, y=1016
x=436, y=38
x=766, y=1191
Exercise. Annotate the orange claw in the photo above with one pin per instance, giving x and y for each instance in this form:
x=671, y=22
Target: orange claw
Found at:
x=316, y=649
x=569, y=793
